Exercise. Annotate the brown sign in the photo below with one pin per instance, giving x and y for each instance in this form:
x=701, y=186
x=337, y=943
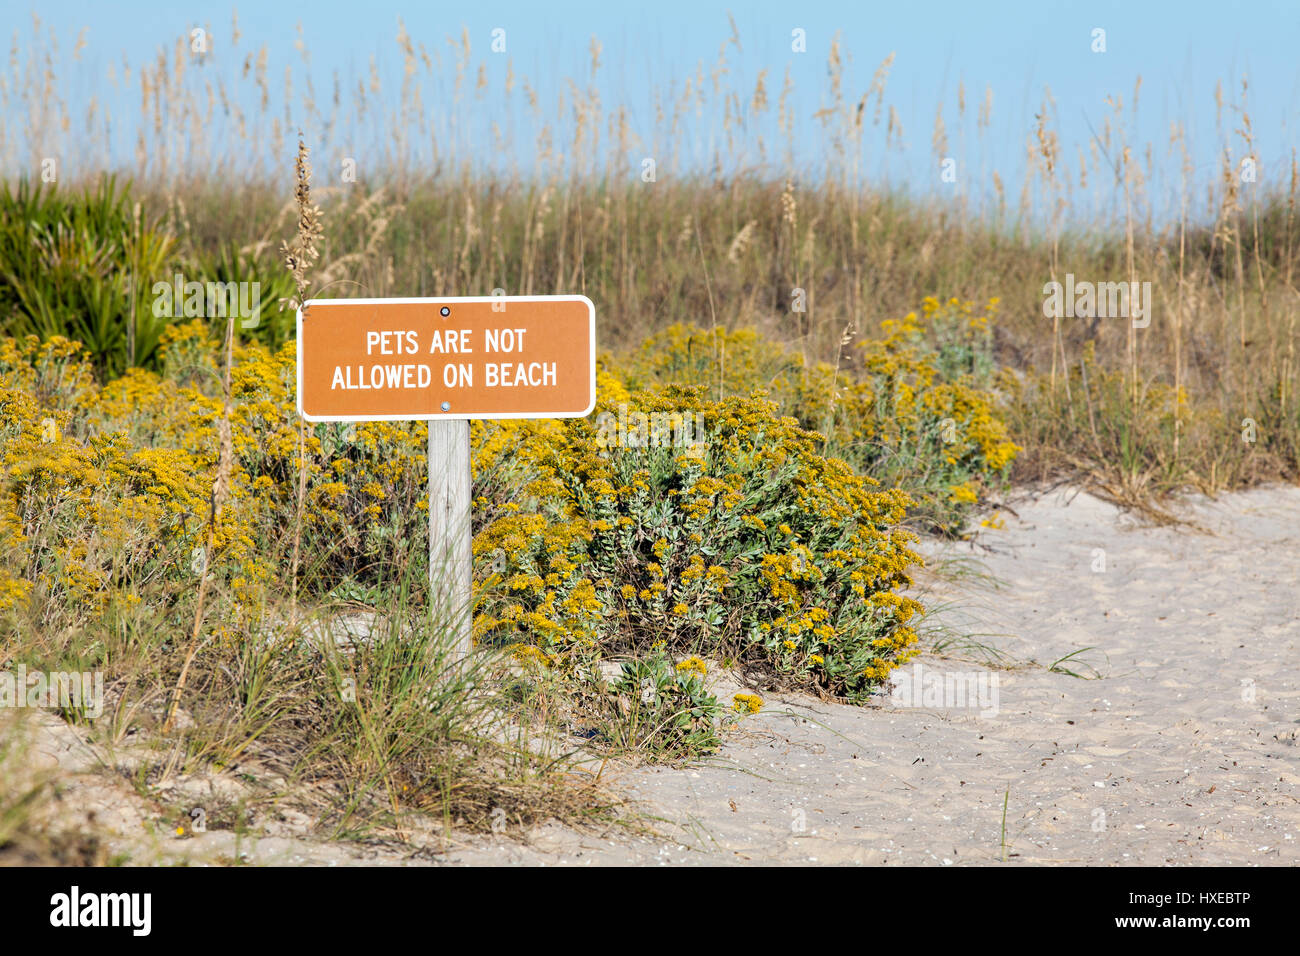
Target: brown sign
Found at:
x=484, y=357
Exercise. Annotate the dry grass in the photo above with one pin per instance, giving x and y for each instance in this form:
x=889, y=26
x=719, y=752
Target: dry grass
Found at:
x=1154, y=409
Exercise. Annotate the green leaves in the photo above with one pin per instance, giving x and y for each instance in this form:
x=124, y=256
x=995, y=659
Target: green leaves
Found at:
x=81, y=266
x=662, y=710
x=275, y=324
x=86, y=266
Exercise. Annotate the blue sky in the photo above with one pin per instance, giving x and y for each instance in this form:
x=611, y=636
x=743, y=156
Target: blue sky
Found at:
x=1017, y=49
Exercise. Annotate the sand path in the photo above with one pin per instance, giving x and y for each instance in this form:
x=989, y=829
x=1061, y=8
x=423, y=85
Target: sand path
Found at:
x=1183, y=750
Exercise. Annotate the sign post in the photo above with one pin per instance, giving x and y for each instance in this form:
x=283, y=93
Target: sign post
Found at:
x=447, y=360
x=451, y=555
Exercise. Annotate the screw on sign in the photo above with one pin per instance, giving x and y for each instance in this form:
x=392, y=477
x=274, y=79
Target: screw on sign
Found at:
x=447, y=360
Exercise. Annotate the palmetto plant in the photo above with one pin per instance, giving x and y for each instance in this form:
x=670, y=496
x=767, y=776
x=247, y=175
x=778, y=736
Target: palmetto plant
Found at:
x=82, y=266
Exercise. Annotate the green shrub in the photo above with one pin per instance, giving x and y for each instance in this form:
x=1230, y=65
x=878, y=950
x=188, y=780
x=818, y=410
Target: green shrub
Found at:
x=85, y=266
x=661, y=711
x=275, y=324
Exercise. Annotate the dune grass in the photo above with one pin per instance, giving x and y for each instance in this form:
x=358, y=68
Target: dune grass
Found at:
x=810, y=253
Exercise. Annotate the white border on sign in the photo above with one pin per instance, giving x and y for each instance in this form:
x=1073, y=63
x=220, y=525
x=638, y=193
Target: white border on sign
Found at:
x=450, y=416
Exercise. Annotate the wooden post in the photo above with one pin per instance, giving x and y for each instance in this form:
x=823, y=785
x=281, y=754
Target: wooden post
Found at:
x=451, y=560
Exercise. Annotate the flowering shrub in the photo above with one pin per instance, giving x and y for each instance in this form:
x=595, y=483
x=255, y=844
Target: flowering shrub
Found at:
x=102, y=487
x=86, y=512
x=913, y=408
x=926, y=397
x=748, y=544
x=364, y=485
